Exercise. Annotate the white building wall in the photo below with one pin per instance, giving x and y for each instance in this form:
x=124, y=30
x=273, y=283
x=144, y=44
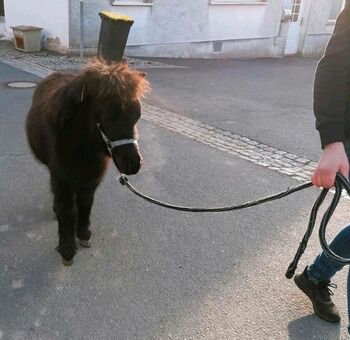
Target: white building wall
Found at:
x=236, y=21
x=317, y=29
x=51, y=15
x=164, y=28
x=177, y=28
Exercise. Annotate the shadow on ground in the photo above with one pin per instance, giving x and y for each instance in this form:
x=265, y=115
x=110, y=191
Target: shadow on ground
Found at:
x=310, y=327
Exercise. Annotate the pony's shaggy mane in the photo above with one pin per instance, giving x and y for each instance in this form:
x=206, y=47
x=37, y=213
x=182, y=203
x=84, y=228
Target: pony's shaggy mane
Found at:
x=97, y=81
x=116, y=79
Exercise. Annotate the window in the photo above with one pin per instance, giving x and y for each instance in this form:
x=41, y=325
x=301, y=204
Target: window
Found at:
x=293, y=7
x=237, y=2
x=337, y=6
x=131, y=2
x=296, y=10
x=287, y=4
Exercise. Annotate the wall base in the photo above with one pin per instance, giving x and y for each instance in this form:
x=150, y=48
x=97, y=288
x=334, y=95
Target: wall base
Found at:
x=250, y=48
x=315, y=45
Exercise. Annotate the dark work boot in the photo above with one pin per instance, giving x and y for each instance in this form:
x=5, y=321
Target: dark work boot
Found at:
x=320, y=296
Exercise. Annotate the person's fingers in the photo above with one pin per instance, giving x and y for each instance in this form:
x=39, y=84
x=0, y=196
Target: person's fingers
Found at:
x=323, y=178
x=344, y=170
x=328, y=179
x=331, y=181
x=315, y=179
x=333, y=160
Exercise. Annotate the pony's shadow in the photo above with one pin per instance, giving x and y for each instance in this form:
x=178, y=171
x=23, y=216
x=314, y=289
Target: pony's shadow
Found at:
x=311, y=327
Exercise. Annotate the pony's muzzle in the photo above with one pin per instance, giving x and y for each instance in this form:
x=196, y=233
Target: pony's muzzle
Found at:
x=127, y=159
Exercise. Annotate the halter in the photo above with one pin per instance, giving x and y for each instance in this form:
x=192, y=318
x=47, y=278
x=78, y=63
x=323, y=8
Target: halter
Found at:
x=113, y=144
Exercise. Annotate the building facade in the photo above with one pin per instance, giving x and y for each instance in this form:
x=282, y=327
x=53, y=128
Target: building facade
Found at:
x=191, y=29
x=311, y=24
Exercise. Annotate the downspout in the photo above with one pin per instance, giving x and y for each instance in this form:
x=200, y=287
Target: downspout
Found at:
x=81, y=42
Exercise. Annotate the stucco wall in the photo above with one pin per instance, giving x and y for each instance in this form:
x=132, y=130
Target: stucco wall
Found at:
x=51, y=15
x=178, y=28
x=318, y=27
x=315, y=45
x=186, y=28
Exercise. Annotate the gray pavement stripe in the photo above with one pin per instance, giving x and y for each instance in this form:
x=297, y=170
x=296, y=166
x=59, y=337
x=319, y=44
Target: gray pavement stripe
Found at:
x=27, y=66
x=253, y=151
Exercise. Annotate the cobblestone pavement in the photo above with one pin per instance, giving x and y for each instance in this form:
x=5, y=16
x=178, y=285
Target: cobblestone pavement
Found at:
x=46, y=61
x=261, y=154
x=299, y=168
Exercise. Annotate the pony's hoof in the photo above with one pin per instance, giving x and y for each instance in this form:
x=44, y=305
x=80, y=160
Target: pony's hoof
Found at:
x=67, y=263
x=85, y=243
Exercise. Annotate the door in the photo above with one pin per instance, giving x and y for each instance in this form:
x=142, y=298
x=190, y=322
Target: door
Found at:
x=294, y=30
x=2, y=12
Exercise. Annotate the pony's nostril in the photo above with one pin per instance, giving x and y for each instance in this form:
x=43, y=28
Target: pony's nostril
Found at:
x=134, y=167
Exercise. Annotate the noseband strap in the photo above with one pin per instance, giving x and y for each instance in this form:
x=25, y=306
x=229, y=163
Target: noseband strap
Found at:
x=120, y=142
x=113, y=144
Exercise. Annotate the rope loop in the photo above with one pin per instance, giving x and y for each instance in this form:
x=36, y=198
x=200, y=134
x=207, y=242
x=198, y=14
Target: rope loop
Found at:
x=340, y=183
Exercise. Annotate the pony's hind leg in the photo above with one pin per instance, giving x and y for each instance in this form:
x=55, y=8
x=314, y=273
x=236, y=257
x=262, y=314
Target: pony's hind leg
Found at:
x=84, y=200
x=66, y=211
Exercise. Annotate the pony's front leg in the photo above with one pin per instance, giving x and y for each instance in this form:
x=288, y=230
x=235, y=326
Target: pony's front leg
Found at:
x=66, y=212
x=84, y=200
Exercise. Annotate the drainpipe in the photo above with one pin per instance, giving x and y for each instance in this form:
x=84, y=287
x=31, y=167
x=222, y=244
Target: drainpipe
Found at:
x=81, y=30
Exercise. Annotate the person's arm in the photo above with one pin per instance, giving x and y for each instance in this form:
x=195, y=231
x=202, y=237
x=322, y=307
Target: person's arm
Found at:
x=331, y=95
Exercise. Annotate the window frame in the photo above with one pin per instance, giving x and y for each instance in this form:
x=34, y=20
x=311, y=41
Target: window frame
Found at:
x=146, y=3
x=238, y=2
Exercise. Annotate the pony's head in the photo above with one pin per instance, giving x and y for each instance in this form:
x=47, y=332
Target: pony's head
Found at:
x=111, y=92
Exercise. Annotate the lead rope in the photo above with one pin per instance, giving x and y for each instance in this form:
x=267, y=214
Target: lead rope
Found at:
x=340, y=183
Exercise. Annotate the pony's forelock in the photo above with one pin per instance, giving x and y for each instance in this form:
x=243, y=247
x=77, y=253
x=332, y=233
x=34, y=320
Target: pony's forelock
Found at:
x=116, y=79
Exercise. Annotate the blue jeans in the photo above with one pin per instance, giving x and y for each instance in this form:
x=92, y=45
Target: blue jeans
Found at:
x=324, y=268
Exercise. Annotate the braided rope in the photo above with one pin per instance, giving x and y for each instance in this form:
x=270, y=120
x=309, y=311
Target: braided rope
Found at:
x=340, y=183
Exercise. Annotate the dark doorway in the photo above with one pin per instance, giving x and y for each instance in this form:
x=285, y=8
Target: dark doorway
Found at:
x=2, y=10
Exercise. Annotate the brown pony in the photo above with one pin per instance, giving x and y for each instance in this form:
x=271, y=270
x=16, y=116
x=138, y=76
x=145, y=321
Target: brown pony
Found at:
x=75, y=125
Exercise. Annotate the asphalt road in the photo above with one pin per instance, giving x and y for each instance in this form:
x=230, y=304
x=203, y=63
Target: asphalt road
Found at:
x=269, y=100
x=159, y=274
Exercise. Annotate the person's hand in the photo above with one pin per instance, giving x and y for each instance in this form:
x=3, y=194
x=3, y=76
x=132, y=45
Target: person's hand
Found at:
x=333, y=160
